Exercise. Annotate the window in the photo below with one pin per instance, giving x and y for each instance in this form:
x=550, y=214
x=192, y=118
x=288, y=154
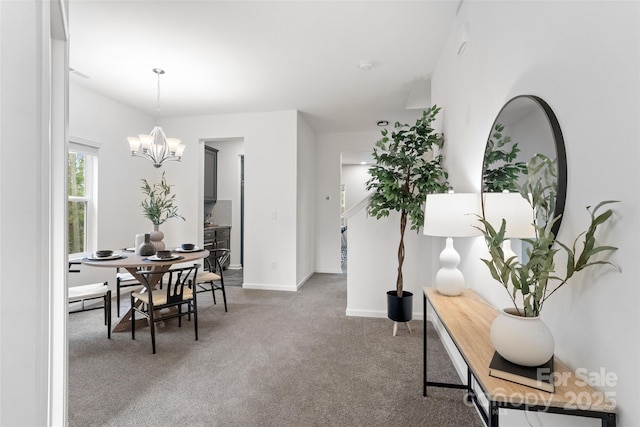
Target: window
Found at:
x=81, y=204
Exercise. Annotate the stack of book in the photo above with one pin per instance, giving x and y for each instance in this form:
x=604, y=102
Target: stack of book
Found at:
x=540, y=377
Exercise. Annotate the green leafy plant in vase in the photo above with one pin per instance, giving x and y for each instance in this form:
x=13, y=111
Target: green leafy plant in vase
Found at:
x=407, y=167
x=532, y=281
x=158, y=206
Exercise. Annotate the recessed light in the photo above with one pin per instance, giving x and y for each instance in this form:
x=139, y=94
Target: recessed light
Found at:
x=382, y=123
x=363, y=163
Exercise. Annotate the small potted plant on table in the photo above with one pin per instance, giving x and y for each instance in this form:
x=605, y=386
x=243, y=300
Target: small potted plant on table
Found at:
x=158, y=207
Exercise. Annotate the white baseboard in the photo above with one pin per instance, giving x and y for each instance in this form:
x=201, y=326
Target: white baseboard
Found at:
x=329, y=271
x=377, y=314
x=275, y=287
x=269, y=287
x=235, y=267
x=365, y=313
x=303, y=281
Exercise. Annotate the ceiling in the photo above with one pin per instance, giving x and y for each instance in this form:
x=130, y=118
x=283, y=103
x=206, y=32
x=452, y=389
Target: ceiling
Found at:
x=258, y=56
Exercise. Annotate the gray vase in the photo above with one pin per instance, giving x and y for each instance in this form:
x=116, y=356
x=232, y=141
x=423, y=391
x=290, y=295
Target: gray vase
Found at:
x=147, y=248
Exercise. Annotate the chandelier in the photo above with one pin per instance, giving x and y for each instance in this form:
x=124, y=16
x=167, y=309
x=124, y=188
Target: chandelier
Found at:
x=156, y=147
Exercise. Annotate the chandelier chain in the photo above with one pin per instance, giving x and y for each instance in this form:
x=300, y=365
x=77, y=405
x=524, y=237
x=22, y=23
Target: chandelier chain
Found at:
x=158, y=71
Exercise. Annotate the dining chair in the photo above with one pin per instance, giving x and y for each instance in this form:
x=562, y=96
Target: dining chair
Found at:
x=124, y=280
x=176, y=293
x=82, y=293
x=211, y=278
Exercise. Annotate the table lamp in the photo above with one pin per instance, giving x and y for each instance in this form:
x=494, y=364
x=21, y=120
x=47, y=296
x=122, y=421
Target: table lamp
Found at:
x=451, y=215
x=516, y=211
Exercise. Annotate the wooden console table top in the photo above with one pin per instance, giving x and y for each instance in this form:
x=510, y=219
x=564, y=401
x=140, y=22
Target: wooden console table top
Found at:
x=467, y=319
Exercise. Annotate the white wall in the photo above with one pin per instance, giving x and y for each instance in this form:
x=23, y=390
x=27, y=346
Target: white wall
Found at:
x=583, y=59
x=33, y=74
x=327, y=197
x=270, y=149
x=95, y=118
x=305, y=196
x=373, y=263
x=269, y=141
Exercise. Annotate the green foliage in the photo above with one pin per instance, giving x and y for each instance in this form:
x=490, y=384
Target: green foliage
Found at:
x=534, y=281
x=76, y=208
x=159, y=205
x=505, y=171
x=407, y=167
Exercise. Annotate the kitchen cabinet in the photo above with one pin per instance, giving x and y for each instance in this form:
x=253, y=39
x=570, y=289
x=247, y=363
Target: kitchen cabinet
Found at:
x=218, y=237
x=210, y=174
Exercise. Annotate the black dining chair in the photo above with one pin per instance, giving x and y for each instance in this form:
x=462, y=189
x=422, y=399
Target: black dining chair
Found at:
x=80, y=295
x=124, y=280
x=177, y=294
x=211, y=278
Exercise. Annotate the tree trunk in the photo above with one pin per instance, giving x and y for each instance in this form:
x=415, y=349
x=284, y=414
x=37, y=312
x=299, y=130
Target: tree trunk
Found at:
x=403, y=226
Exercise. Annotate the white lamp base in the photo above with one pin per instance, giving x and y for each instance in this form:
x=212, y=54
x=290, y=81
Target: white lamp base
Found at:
x=449, y=280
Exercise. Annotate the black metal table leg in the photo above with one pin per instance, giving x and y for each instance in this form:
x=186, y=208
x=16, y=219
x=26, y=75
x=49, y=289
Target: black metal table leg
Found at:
x=494, y=411
x=609, y=421
x=424, y=344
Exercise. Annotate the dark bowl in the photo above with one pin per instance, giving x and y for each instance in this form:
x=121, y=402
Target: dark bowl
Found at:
x=188, y=246
x=104, y=253
x=163, y=254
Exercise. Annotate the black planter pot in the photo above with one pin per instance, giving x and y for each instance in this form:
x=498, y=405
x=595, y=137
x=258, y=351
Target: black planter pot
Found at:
x=400, y=309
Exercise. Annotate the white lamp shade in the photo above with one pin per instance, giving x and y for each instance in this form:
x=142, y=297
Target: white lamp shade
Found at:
x=452, y=215
x=134, y=143
x=173, y=144
x=514, y=209
x=146, y=141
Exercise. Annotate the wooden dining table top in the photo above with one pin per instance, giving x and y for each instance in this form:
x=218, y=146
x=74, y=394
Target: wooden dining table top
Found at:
x=129, y=260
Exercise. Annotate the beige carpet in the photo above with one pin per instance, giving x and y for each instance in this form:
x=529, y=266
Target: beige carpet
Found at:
x=275, y=359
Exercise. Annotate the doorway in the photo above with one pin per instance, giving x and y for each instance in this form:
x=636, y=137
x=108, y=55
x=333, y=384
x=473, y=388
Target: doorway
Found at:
x=228, y=207
x=354, y=173
x=242, y=209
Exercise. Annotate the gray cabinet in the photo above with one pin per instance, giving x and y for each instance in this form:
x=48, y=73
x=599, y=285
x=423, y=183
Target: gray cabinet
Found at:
x=210, y=174
x=218, y=238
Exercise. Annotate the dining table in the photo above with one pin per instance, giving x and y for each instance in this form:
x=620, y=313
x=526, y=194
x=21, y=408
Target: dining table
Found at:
x=135, y=263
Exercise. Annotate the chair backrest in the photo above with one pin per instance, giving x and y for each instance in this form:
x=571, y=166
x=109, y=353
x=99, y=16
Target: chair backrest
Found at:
x=219, y=257
x=174, y=280
x=73, y=262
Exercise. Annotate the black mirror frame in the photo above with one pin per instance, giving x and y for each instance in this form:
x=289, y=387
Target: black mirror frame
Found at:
x=561, y=154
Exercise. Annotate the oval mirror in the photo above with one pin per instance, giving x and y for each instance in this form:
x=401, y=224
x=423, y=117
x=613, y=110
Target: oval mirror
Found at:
x=526, y=132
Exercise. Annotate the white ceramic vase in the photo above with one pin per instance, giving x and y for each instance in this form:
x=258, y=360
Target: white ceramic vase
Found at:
x=156, y=238
x=525, y=341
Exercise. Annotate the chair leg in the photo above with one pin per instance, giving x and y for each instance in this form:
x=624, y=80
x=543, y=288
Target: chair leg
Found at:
x=224, y=293
x=107, y=306
x=195, y=316
x=118, y=298
x=213, y=288
x=153, y=328
x=133, y=319
x=104, y=308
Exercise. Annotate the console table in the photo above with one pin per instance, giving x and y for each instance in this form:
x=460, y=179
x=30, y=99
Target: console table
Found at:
x=467, y=319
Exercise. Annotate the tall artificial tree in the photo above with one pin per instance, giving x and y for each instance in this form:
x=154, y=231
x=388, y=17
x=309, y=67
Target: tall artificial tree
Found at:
x=408, y=166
